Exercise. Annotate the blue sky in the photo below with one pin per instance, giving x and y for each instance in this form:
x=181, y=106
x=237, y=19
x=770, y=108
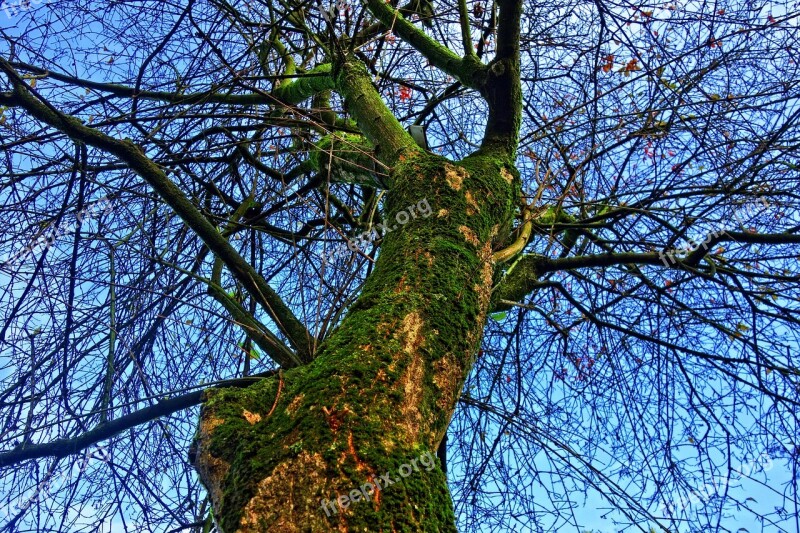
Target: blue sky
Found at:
x=592, y=512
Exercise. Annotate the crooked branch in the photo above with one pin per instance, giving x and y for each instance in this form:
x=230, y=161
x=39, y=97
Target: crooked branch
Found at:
x=132, y=155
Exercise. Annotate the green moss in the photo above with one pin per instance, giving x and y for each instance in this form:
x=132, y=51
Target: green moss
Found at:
x=422, y=309
x=345, y=151
x=469, y=70
x=316, y=80
x=517, y=282
x=375, y=120
x=553, y=215
x=556, y=215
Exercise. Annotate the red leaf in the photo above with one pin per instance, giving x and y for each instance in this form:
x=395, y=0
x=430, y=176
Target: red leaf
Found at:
x=609, y=64
x=632, y=65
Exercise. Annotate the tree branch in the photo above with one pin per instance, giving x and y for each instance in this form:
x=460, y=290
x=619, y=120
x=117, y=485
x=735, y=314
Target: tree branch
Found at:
x=317, y=80
x=503, y=89
x=131, y=154
x=264, y=338
x=301, y=87
x=466, y=33
x=516, y=247
x=524, y=275
x=469, y=70
x=64, y=447
x=373, y=117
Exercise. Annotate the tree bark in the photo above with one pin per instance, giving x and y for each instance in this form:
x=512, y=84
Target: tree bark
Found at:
x=300, y=451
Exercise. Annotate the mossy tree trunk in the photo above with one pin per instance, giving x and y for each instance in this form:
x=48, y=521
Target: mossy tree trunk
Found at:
x=301, y=450
x=382, y=390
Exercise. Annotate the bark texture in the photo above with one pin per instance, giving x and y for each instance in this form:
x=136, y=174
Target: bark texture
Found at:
x=382, y=390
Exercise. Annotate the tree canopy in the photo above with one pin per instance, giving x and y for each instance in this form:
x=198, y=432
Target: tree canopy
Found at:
x=193, y=196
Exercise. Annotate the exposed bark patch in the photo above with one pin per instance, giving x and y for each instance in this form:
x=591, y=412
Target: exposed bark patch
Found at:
x=455, y=176
x=401, y=285
x=412, y=380
x=252, y=418
x=212, y=423
x=508, y=176
x=484, y=292
x=412, y=331
x=470, y=236
x=380, y=376
x=298, y=483
x=487, y=275
x=484, y=289
x=294, y=404
x=334, y=418
x=447, y=376
x=472, y=205
x=212, y=470
x=362, y=467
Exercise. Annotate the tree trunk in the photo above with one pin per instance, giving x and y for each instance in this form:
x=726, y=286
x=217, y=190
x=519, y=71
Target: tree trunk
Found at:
x=304, y=450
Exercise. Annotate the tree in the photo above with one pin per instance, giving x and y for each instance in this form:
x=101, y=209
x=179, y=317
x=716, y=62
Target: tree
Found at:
x=565, y=230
